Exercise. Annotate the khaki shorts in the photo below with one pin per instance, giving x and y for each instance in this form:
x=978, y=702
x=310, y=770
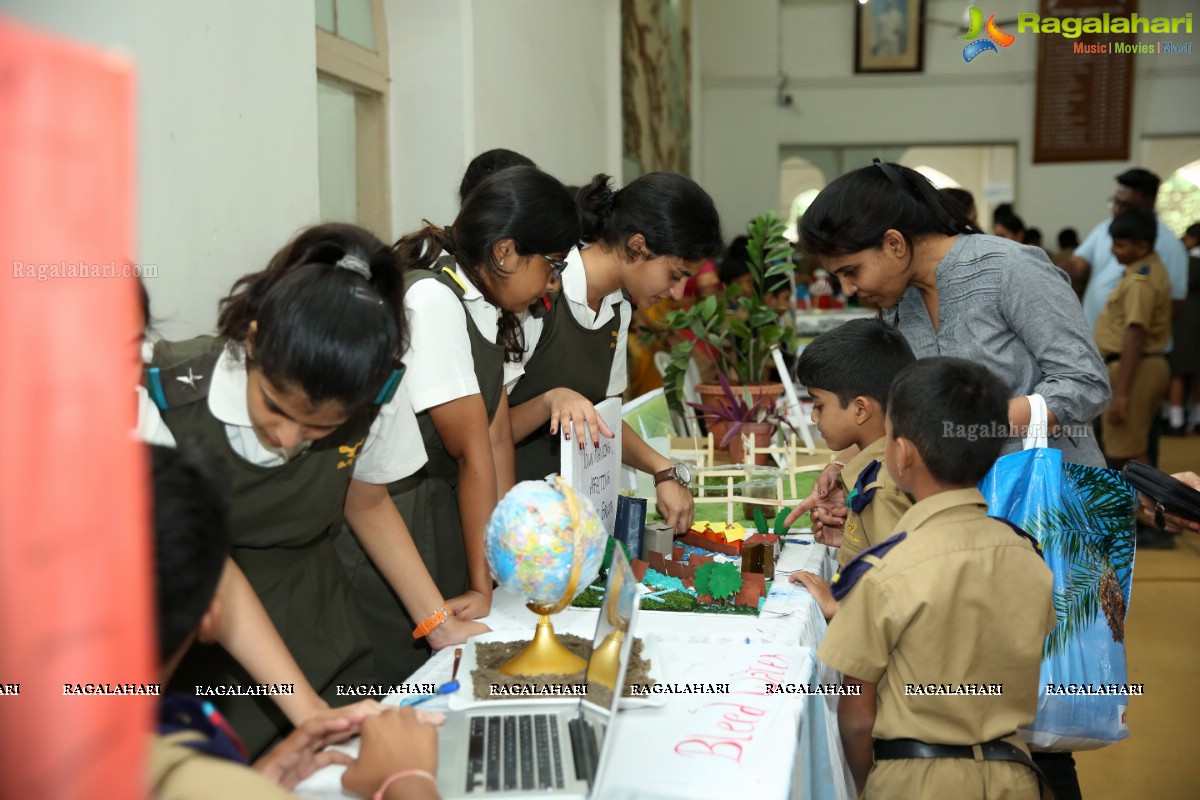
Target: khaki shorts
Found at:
x=1146, y=393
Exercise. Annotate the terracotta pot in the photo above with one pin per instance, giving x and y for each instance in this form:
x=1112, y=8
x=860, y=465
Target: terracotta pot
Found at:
x=712, y=393
x=762, y=431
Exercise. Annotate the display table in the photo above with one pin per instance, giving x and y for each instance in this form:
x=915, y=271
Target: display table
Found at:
x=707, y=745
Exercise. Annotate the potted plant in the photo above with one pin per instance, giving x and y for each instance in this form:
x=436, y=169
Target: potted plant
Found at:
x=734, y=414
x=735, y=326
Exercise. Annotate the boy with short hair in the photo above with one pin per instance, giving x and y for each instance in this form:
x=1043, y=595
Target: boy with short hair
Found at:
x=942, y=625
x=1131, y=333
x=196, y=754
x=848, y=372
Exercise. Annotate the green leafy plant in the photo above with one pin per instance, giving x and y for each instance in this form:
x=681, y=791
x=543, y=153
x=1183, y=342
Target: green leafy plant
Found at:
x=736, y=325
x=738, y=410
x=725, y=581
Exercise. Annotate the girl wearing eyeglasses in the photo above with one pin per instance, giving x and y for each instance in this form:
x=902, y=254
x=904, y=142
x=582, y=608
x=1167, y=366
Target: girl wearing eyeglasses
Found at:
x=466, y=287
x=642, y=242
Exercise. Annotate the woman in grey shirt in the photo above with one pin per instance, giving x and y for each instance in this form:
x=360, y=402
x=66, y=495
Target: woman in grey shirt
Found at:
x=886, y=233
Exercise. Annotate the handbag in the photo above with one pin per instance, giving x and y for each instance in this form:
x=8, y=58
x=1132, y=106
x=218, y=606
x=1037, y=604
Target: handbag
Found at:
x=1175, y=496
x=1084, y=519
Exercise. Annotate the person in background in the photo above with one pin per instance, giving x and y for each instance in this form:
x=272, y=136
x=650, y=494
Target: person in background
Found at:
x=1094, y=261
x=965, y=201
x=487, y=163
x=1033, y=238
x=1131, y=333
x=1009, y=226
x=1185, y=355
x=1068, y=240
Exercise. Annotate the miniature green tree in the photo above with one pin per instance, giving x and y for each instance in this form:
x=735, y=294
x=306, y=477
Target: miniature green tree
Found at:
x=725, y=581
x=700, y=582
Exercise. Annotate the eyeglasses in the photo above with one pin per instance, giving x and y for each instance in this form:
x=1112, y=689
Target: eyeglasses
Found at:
x=557, y=267
x=1117, y=205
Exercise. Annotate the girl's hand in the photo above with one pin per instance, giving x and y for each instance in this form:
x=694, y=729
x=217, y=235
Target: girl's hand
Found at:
x=454, y=631
x=575, y=414
x=818, y=587
x=471, y=604
x=392, y=742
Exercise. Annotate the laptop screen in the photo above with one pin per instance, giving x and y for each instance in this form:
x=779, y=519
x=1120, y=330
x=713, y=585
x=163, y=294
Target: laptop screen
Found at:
x=609, y=659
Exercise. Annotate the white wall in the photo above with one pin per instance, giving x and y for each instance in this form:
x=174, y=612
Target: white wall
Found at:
x=227, y=138
x=990, y=100
x=541, y=77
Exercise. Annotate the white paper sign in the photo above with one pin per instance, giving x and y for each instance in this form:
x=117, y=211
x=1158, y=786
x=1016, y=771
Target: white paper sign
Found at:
x=595, y=472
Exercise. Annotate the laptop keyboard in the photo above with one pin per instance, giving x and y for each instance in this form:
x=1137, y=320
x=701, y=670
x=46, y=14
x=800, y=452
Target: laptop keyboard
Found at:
x=514, y=753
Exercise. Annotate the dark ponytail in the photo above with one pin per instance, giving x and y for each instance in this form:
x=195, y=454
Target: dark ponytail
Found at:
x=853, y=212
x=676, y=217
x=519, y=203
x=324, y=327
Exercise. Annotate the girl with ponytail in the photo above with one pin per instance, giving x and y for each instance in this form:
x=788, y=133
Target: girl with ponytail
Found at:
x=467, y=286
x=643, y=242
x=290, y=396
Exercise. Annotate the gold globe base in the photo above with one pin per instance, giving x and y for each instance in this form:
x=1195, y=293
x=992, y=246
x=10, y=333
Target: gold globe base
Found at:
x=606, y=660
x=545, y=655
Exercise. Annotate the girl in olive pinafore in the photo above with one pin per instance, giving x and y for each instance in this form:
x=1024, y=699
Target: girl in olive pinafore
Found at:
x=286, y=399
x=643, y=242
x=464, y=287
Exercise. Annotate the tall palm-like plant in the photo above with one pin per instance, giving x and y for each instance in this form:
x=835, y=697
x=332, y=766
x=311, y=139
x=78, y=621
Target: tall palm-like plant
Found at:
x=1093, y=534
x=739, y=326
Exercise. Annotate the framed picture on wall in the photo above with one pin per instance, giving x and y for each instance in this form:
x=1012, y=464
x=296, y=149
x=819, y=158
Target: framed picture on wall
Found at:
x=889, y=36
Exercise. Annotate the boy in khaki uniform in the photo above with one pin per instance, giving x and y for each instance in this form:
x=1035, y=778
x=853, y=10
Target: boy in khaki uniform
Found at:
x=1131, y=333
x=848, y=372
x=942, y=625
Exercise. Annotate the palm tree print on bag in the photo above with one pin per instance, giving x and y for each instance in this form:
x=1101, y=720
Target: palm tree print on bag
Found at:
x=1089, y=544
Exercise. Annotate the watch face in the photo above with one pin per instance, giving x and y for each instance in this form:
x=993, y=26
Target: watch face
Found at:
x=683, y=473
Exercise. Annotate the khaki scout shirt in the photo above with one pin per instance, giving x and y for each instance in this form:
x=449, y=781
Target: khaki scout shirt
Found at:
x=879, y=518
x=962, y=599
x=1142, y=297
x=178, y=772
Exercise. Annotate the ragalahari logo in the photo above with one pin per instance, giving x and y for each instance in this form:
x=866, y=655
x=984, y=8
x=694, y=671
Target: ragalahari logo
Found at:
x=995, y=36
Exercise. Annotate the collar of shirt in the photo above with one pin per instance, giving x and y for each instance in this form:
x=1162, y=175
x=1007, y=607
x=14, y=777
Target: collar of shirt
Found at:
x=485, y=315
x=922, y=513
x=575, y=289
x=227, y=402
x=1132, y=267
x=853, y=468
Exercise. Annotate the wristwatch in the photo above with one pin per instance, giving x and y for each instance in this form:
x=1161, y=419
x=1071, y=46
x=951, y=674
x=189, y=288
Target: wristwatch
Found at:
x=676, y=472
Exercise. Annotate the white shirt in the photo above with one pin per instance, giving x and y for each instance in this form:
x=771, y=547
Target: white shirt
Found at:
x=227, y=402
x=575, y=292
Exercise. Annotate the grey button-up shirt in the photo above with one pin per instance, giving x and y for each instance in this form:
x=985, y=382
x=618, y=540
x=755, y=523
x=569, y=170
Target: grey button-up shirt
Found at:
x=1004, y=305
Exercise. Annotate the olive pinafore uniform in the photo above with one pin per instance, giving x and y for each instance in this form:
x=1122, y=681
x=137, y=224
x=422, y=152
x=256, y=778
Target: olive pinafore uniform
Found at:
x=428, y=502
x=567, y=355
x=281, y=521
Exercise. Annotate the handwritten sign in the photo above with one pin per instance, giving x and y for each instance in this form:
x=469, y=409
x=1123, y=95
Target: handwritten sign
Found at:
x=595, y=471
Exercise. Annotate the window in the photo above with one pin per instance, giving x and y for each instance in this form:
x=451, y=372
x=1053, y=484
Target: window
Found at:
x=352, y=80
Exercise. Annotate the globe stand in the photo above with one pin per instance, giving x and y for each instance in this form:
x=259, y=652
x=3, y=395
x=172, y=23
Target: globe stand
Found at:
x=545, y=655
x=606, y=660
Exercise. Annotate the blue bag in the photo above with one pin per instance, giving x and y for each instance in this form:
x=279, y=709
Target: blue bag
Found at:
x=1084, y=518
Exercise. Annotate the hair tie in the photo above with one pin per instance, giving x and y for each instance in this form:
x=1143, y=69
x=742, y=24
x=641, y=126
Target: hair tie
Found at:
x=355, y=265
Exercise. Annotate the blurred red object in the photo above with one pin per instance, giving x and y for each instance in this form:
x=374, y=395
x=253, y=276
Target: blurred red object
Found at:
x=75, y=581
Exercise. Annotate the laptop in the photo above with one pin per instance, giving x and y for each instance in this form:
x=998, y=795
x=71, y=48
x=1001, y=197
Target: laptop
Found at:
x=549, y=748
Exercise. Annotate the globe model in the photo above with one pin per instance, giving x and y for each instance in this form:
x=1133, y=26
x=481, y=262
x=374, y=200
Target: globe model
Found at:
x=532, y=542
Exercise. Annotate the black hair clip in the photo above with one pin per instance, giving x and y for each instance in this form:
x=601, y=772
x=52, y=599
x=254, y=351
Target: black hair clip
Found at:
x=892, y=175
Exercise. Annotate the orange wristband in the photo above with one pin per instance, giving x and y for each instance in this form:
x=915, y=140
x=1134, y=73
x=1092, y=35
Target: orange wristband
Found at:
x=408, y=773
x=432, y=621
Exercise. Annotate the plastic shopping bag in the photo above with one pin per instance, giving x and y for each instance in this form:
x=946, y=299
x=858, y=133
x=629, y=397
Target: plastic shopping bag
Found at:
x=1084, y=518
